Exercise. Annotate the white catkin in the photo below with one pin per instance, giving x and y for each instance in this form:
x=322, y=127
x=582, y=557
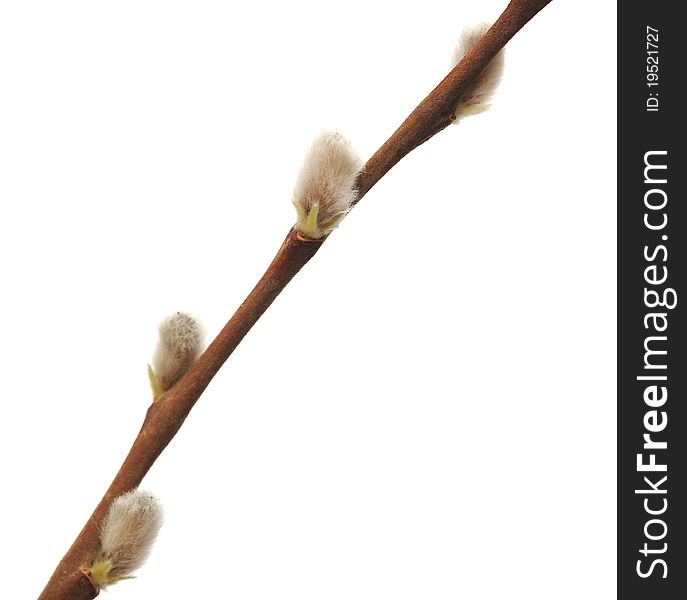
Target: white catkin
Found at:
x=180, y=344
x=129, y=531
x=477, y=96
x=325, y=189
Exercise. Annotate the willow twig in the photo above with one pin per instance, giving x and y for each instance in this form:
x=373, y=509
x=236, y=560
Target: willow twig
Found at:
x=164, y=417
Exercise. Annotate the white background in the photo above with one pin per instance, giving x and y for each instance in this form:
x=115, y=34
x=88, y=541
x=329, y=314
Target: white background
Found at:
x=427, y=412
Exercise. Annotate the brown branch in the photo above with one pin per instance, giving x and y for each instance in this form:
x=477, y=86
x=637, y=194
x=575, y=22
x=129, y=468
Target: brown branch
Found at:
x=81, y=586
x=435, y=112
x=168, y=412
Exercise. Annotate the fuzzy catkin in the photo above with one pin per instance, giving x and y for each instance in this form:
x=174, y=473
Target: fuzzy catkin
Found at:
x=126, y=536
x=179, y=346
x=477, y=96
x=325, y=188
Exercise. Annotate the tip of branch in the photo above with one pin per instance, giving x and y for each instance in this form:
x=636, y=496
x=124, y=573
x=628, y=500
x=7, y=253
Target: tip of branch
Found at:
x=476, y=98
x=325, y=189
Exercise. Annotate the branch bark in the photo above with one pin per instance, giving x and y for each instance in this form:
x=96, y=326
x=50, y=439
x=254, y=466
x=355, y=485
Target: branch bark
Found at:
x=168, y=412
